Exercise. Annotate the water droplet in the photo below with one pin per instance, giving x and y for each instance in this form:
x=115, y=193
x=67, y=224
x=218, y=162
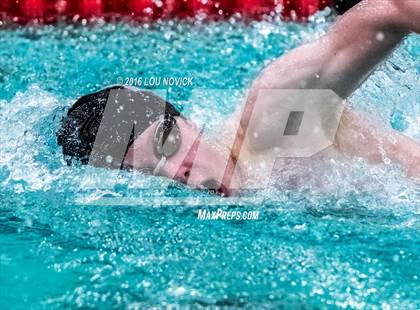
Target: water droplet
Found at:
x=380, y=36
x=108, y=159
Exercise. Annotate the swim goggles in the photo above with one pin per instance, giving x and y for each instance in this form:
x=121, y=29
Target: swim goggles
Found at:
x=166, y=141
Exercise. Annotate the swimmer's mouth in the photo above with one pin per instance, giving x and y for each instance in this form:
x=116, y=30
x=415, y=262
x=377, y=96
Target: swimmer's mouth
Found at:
x=215, y=187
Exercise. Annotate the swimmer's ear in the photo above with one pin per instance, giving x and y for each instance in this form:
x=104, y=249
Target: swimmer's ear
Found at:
x=342, y=6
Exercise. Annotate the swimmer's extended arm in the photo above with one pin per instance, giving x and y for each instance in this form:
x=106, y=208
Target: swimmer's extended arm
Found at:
x=341, y=61
x=343, y=58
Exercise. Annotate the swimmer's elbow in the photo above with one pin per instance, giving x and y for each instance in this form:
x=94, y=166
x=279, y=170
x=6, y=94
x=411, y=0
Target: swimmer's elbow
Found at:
x=407, y=14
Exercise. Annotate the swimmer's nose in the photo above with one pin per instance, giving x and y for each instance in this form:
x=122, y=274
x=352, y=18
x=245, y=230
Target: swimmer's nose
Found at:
x=183, y=173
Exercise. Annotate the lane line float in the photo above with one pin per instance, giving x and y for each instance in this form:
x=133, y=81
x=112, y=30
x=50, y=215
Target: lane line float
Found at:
x=51, y=11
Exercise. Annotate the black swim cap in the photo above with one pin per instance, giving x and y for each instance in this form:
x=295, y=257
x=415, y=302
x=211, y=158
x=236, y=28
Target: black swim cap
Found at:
x=120, y=113
x=342, y=6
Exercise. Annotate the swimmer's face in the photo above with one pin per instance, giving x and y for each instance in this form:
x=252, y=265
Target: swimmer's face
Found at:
x=197, y=163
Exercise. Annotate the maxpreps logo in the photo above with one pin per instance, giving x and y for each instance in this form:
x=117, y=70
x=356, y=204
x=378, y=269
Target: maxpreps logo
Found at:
x=219, y=214
x=306, y=122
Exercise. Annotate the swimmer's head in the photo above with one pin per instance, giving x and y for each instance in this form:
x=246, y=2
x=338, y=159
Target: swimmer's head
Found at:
x=120, y=127
x=124, y=113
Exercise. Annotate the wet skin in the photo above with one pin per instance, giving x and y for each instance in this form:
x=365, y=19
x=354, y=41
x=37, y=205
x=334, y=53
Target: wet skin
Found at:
x=345, y=57
x=198, y=163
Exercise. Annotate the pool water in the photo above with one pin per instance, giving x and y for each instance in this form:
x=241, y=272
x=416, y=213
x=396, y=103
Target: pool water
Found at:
x=354, y=243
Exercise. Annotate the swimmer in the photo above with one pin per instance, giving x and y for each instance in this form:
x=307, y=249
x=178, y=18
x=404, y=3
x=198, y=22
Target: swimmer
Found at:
x=124, y=128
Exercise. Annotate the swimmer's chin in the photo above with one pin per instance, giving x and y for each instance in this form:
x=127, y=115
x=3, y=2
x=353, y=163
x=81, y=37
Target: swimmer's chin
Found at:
x=218, y=189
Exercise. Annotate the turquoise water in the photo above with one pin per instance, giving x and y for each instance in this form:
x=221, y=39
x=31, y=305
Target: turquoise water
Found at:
x=353, y=243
